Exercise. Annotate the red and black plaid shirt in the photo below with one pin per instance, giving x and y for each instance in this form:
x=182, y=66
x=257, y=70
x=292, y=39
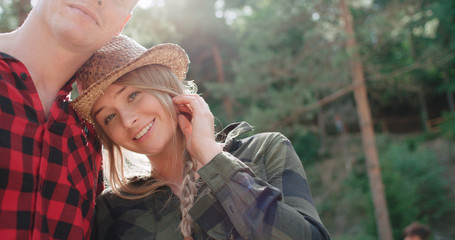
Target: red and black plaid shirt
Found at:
x=49, y=168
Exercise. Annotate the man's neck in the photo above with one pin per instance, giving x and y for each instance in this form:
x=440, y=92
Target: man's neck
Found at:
x=50, y=62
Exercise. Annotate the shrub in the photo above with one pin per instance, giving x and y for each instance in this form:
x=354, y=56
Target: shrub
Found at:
x=415, y=188
x=414, y=185
x=306, y=146
x=448, y=125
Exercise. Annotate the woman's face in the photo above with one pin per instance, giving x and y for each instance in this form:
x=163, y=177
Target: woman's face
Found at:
x=134, y=119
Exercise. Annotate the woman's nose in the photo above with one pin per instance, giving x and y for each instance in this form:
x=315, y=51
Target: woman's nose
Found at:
x=128, y=119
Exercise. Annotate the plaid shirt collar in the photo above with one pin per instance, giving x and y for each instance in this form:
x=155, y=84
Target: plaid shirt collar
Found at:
x=67, y=88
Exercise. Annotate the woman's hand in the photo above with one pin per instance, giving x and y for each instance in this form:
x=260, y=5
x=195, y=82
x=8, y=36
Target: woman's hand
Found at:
x=197, y=124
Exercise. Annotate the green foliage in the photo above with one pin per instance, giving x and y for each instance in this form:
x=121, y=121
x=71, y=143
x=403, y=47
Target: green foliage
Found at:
x=405, y=50
x=283, y=69
x=306, y=145
x=358, y=189
x=415, y=188
x=448, y=125
x=151, y=26
x=7, y=20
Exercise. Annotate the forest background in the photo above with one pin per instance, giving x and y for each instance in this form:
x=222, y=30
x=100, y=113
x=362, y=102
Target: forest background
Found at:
x=284, y=65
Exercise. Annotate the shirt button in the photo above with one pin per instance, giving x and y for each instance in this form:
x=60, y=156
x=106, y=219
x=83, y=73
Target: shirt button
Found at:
x=24, y=76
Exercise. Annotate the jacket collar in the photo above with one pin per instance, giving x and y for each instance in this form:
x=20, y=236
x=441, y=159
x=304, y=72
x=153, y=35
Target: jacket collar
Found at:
x=233, y=130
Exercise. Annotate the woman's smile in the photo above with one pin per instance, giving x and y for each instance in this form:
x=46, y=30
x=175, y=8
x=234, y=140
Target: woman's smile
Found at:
x=144, y=131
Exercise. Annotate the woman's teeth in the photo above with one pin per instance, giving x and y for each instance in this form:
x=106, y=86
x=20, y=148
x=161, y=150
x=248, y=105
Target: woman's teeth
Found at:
x=143, y=131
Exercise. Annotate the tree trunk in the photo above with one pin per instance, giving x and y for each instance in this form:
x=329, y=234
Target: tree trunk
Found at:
x=366, y=127
x=227, y=104
x=322, y=132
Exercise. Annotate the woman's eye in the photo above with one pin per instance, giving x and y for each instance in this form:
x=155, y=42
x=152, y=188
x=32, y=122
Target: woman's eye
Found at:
x=108, y=119
x=132, y=96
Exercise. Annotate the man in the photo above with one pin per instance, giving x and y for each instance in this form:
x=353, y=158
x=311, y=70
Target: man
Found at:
x=416, y=231
x=50, y=162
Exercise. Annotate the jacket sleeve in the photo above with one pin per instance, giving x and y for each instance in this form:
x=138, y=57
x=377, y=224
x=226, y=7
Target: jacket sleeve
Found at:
x=278, y=206
x=103, y=219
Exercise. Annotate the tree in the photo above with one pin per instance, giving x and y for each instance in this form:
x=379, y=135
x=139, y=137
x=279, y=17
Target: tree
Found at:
x=290, y=57
x=366, y=127
x=405, y=58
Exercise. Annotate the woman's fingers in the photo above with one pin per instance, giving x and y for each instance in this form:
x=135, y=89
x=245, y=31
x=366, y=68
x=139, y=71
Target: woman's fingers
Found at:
x=197, y=124
x=196, y=110
x=185, y=125
x=195, y=104
x=185, y=111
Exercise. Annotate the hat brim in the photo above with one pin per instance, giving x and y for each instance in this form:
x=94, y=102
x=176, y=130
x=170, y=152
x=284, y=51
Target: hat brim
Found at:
x=170, y=55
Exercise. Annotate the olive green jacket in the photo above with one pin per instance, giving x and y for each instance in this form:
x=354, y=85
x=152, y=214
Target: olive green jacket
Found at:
x=255, y=189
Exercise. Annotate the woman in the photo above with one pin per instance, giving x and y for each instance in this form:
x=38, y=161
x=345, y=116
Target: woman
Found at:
x=211, y=186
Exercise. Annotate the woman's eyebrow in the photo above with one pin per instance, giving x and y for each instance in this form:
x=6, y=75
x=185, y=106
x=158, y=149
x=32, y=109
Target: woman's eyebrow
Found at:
x=120, y=91
x=96, y=113
x=115, y=95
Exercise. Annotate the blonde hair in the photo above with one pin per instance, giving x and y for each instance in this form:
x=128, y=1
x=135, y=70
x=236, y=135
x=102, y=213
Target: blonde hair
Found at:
x=159, y=81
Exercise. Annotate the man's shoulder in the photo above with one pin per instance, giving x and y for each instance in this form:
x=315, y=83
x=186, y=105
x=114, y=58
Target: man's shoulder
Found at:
x=5, y=46
x=9, y=64
x=6, y=53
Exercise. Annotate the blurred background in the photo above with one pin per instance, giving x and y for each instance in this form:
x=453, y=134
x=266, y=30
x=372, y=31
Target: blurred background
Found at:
x=299, y=67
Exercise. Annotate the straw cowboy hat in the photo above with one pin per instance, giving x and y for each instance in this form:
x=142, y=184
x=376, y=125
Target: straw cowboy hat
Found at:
x=118, y=57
